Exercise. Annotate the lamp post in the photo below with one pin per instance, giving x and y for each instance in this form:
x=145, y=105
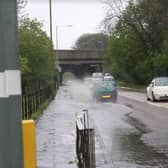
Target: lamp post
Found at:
x=11, y=149
x=50, y=14
x=58, y=26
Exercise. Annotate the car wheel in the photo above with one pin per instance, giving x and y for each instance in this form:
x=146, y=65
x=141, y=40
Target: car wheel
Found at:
x=153, y=97
x=147, y=97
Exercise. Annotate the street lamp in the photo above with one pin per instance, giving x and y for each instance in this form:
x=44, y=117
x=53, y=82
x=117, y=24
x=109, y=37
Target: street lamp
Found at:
x=58, y=26
x=50, y=14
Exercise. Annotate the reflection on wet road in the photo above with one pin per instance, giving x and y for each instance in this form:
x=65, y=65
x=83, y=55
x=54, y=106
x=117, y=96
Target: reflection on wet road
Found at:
x=127, y=134
x=122, y=138
x=131, y=151
x=121, y=134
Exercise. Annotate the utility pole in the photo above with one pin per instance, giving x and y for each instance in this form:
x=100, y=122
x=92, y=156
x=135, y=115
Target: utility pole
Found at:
x=50, y=13
x=11, y=150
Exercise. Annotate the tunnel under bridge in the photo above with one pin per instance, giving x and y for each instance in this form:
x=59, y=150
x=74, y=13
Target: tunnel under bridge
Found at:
x=79, y=62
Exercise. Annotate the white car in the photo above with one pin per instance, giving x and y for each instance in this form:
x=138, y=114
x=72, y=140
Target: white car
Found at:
x=158, y=89
x=108, y=78
x=97, y=75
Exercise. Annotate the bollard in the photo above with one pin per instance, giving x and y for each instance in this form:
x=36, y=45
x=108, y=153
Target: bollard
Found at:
x=29, y=145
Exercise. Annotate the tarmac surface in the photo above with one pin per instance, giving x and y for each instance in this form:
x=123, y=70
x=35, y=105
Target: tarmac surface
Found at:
x=131, y=133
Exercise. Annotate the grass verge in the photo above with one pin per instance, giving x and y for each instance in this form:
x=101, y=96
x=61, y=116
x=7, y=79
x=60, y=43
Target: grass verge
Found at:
x=36, y=115
x=131, y=86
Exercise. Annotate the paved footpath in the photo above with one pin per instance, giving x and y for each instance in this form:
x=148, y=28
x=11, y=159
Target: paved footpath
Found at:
x=55, y=137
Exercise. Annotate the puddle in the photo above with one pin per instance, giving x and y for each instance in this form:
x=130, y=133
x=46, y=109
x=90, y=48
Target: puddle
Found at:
x=129, y=149
x=129, y=105
x=140, y=126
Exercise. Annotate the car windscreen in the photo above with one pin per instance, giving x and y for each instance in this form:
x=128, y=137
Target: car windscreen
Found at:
x=106, y=85
x=161, y=82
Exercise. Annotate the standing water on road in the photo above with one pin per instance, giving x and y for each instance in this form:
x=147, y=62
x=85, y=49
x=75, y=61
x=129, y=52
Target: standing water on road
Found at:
x=119, y=142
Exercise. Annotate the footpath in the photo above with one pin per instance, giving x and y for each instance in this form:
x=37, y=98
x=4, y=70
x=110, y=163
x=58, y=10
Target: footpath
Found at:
x=55, y=137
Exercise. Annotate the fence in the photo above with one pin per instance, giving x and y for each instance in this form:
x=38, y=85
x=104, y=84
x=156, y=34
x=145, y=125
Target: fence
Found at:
x=33, y=97
x=85, y=142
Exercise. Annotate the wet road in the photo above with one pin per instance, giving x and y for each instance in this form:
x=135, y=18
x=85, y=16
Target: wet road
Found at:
x=129, y=134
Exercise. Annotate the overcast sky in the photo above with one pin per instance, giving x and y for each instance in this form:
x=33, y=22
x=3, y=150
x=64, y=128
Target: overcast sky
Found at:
x=84, y=16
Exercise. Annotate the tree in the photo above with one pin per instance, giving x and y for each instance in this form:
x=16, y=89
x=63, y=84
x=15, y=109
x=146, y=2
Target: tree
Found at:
x=138, y=43
x=20, y=5
x=92, y=41
x=37, y=57
x=155, y=15
x=125, y=57
x=113, y=14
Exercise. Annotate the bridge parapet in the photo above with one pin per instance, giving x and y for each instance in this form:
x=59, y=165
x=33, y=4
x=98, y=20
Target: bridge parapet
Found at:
x=78, y=54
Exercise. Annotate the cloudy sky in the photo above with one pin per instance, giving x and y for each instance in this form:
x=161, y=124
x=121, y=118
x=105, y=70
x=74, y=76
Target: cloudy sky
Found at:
x=84, y=16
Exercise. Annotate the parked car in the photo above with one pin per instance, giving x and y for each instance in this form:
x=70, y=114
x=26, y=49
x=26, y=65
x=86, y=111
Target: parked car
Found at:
x=105, y=90
x=158, y=89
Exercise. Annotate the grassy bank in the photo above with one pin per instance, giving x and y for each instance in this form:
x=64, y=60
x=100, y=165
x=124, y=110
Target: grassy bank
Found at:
x=131, y=86
x=41, y=109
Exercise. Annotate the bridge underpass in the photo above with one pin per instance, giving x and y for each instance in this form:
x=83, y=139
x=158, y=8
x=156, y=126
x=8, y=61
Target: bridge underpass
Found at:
x=79, y=62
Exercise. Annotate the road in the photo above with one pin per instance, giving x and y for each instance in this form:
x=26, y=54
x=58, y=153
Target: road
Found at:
x=131, y=133
x=144, y=141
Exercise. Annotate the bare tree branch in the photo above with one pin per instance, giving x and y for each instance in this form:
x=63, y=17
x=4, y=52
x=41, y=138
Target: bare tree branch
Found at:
x=20, y=5
x=114, y=13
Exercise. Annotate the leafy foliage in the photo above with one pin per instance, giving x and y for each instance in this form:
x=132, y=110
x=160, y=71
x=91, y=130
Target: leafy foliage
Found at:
x=92, y=41
x=138, y=44
x=37, y=57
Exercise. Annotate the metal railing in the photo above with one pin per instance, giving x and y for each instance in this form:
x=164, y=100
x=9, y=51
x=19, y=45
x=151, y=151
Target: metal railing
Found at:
x=33, y=98
x=85, y=142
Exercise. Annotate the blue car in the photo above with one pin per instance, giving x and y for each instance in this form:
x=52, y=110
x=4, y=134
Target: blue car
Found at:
x=105, y=91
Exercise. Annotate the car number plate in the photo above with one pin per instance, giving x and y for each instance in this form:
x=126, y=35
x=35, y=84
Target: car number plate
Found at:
x=106, y=97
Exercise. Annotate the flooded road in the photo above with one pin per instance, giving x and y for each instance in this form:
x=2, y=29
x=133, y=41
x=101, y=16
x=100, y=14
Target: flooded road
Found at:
x=129, y=134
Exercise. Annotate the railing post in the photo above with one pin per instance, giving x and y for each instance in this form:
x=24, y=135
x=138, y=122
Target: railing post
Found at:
x=85, y=142
x=11, y=149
